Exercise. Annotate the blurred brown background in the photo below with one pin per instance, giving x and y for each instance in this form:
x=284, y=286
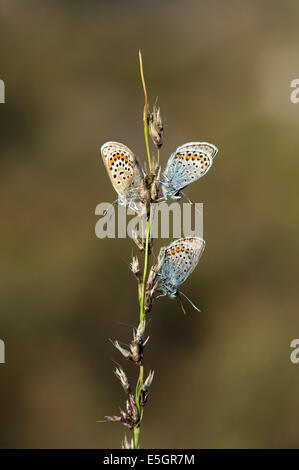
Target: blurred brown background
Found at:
x=222, y=72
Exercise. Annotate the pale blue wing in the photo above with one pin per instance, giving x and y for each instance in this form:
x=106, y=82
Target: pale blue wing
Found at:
x=188, y=163
x=181, y=257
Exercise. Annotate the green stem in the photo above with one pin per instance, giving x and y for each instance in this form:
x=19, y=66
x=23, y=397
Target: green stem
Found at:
x=145, y=267
x=138, y=388
x=146, y=139
x=146, y=257
x=137, y=400
x=145, y=113
x=136, y=437
x=141, y=319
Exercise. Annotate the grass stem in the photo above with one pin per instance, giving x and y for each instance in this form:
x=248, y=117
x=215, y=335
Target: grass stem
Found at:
x=146, y=260
x=145, y=114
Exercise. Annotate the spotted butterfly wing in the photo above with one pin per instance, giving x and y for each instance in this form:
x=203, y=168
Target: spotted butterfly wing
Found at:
x=123, y=170
x=188, y=163
x=180, y=259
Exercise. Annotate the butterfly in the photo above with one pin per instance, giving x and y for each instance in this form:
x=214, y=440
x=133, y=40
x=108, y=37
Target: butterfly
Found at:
x=123, y=170
x=188, y=163
x=179, y=260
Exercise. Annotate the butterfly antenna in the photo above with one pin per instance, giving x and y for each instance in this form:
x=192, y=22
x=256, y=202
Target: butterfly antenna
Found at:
x=193, y=305
x=191, y=202
x=181, y=304
x=187, y=197
x=154, y=254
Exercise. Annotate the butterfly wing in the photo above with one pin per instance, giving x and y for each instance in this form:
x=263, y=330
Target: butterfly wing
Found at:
x=181, y=257
x=122, y=168
x=188, y=163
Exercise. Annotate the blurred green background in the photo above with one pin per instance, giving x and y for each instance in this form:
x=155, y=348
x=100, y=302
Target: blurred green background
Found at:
x=222, y=72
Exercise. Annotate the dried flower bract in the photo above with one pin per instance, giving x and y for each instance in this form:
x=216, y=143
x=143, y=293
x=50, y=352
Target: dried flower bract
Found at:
x=156, y=127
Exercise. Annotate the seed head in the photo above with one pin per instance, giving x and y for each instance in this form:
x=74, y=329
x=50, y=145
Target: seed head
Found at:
x=120, y=374
x=145, y=389
x=138, y=343
x=135, y=265
x=130, y=417
x=156, y=127
x=122, y=350
x=136, y=352
x=152, y=281
x=155, y=185
x=136, y=269
x=137, y=240
x=138, y=335
x=113, y=418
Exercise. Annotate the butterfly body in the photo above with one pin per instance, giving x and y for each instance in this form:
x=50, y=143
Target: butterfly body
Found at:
x=123, y=170
x=188, y=163
x=180, y=259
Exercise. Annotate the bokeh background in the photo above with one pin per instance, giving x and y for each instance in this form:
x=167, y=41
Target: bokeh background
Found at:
x=222, y=72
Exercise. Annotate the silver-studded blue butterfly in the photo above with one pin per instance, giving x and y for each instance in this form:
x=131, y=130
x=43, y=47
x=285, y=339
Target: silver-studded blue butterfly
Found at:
x=188, y=163
x=123, y=170
x=179, y=260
